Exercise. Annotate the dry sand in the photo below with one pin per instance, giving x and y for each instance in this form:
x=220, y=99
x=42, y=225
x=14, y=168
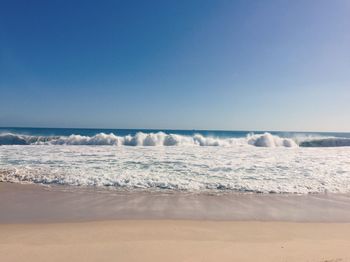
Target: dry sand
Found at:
x=169, y=240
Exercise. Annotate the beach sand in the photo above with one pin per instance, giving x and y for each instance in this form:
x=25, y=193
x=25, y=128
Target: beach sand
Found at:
x=168, y=240
x=45, y=224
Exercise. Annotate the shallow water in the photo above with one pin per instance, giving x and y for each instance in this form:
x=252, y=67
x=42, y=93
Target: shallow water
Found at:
x=35, y=204
x=189, y=168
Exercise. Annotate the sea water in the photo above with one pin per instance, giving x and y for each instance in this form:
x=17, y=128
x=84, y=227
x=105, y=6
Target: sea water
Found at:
x=177, y=160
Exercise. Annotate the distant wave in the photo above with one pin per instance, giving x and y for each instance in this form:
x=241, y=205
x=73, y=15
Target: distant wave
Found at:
x=326, y=142
x=268, y=140
x=163, y=139
x=15, y=139
x=139, y=139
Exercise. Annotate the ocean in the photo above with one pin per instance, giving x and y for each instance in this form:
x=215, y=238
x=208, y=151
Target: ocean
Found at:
x=196, y=161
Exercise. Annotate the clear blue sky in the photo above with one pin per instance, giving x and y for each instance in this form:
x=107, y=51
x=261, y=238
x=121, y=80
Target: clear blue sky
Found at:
x=252, y=65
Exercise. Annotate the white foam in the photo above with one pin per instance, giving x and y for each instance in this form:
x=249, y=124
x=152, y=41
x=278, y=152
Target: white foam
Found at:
x=147, y=139
x=140, y=139
x=163, y=139
x=268, y=140
x=192, y=168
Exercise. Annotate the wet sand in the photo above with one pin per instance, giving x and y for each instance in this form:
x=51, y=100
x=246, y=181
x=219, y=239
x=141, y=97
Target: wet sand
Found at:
x=56, y=224
x=34, y=203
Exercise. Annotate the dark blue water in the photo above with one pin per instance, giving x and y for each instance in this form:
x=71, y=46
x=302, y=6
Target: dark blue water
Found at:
x=123, y=132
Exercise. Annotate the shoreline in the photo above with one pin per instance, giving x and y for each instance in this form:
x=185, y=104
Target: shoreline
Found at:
x=39, y=204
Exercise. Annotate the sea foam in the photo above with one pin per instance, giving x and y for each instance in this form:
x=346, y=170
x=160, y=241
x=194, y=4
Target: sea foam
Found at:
x=164, y=139
x=197, y=168
x=268, y=140
x=146, y=139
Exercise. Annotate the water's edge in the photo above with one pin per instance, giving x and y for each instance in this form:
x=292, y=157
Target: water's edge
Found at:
x=38, y=204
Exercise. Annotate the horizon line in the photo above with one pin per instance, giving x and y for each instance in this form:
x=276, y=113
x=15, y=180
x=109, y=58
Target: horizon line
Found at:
x=176, y=129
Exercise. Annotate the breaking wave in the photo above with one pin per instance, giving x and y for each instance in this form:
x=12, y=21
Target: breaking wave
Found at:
x=326, y=142
x=139, y=139
x=268, y=140
x=163, y=139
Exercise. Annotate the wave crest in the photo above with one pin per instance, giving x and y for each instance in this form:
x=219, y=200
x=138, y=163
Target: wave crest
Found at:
x=163, y=139
x=268, y=140
x=141, y=139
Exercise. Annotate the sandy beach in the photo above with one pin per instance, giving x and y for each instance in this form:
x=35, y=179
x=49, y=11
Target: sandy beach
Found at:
x=50, y=224
x=168, y=240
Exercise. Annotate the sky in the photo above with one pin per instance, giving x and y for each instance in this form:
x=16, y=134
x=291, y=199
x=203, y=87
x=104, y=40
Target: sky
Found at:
x=192, y=64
